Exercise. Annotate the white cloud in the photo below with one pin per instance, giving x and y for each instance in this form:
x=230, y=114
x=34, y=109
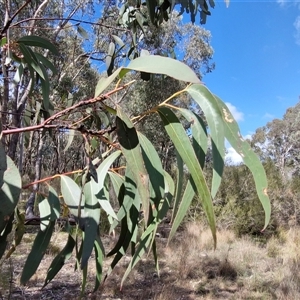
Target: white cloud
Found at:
x=238, y=115
x=297, y=27
x=281, y=2
x=268, y=116
x=232, y=157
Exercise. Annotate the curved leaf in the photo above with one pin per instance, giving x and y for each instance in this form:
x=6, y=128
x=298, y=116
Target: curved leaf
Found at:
x=9, y=191
x=162, y=65
x=131, y=149
x=182, y=144
x=213, y=115
x=118, y=40
x=251, y=160
x=37, y=252
x=199, y=134
x=59, y=261
x=97, y=187
x=103, y=83
x=99, y=254
x=91, y=222
x=151, y=5
x=32, y=40
x=71, y=193
x=185, y=203
x=109, y=58
x=154, y=169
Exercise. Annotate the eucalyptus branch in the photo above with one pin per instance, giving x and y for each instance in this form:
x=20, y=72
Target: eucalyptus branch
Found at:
x=8, y=23
x=71, y=19
x=66, y=111
x=24, y=187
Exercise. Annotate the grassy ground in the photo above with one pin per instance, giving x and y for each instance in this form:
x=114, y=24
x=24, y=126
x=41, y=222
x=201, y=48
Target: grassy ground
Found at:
x=240, y=268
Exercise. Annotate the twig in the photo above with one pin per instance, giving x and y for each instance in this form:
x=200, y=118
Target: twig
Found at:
x=8, y=23
x=47, y=123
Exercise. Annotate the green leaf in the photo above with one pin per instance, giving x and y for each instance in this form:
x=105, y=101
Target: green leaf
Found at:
x=71, y=193
x=18, y=75
x=38, y=41
x=84, y=280
x=82, y=32
x=131, y=149
x=141, y=249
x=97, y=188
x=182, y=144
x=91, y=222
x=10, y=189
x=118, y=40
x=109, y=58
x=162, y=65
x=179, y=184
x=213, y=115
x=31, y=60
x=99, y=254
x=151, y=5
x=141, y=20
x=5, y=233
x=251, y=160
x=19, y=230
x=59, y=261
x=199, y=134
x=54, y=204
x=185, y=203
x=103, y=83
x=45, y=213
x=45, y=90
x=128, y=214
x=154, y=169
x=47, y=63
x=37, y=252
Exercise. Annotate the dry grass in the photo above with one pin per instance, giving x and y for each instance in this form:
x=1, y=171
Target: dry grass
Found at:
x=240, y=268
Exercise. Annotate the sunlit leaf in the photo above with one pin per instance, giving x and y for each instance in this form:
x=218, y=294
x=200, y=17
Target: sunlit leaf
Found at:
x=97, y=187
x=251, y=160
x=118, y=40
x=10, y=189
x=162, y=65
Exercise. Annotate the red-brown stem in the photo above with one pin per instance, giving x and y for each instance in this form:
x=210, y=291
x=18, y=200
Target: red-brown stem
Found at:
x=24, y=187
x=46, y=123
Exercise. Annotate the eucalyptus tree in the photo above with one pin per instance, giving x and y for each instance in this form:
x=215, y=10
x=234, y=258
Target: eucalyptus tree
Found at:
x=140, y=182
x=279, y=141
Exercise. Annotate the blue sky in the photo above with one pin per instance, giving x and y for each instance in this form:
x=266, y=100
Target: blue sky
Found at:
x=257, y=56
